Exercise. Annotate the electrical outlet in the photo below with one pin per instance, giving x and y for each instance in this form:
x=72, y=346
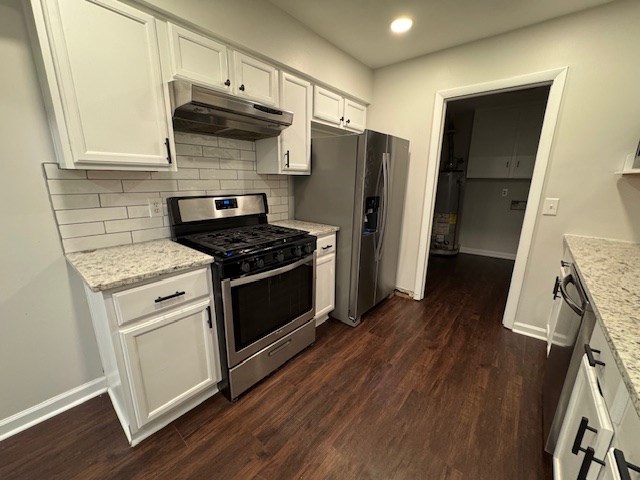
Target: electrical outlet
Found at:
x=505, y=192
x=550, y=206
x=155, y=207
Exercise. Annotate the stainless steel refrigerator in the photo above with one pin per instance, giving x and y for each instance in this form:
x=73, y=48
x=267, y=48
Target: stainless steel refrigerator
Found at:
x=358, y=183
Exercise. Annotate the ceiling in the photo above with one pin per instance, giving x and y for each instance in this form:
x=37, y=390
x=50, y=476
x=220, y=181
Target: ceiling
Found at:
x=361, y=27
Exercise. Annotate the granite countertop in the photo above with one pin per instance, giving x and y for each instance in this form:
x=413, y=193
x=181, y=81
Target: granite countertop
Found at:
x=317, y=229
x=610, y=271
x=108, y=268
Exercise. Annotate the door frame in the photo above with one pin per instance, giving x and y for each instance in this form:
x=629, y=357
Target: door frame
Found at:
x=556, y=78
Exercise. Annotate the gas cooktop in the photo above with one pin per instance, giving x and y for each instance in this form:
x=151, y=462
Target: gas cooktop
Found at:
x=241, y=240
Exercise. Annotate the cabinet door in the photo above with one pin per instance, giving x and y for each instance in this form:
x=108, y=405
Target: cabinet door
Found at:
x=109, y=83
x=493, y=142
x=586, y=424
x=296, y=139
x=325, y=286
x=170, y=359
x=530, y=121
x=355, y=116
x=197, y=58
x=327, y=106
x=254, y=79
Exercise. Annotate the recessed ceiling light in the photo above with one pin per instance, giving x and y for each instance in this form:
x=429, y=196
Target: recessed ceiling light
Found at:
x=401, y=25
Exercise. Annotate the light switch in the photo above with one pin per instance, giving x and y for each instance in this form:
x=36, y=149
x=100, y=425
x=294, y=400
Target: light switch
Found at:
x=550, y=206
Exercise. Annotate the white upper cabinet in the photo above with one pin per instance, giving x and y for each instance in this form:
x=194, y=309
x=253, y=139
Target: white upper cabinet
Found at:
x=327, y=106
x=102, y=81
x=198, y=58
x=333, y=109
x=290, y=153
x=355, y=115
x=504, y=141
x=254, y=79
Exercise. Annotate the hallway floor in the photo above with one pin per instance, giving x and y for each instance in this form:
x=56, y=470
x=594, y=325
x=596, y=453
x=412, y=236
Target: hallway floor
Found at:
x=436, y=389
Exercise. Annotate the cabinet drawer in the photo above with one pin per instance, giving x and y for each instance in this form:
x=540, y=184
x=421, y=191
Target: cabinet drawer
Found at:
x=326, y=245
x=608, y=374
x=160, y=296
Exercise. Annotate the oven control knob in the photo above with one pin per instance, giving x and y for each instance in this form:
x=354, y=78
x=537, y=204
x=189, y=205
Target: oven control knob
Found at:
x=259, y=262
x=297, y=251
x=308, y=248
x=280, y=256
x=245, y=267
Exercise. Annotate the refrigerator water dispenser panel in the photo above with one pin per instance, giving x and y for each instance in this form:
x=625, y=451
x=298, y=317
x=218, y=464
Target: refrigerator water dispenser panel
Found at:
x=371, y=209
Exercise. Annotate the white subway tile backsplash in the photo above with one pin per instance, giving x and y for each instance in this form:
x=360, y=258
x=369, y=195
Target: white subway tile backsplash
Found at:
x=131, y=224
x=117, y=175
x=125, y=199
x=81, y=229
x=66, y=202
x=65, y=187
x=218, y=152
x=151, y=234
x=96, y=241
x=97, y=209
x=90, y=215
x=187, y=149
x=52, y=171
x=150, y=185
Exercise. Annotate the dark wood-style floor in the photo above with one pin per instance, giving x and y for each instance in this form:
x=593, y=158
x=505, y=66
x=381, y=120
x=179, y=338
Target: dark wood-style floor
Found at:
x=436, y=389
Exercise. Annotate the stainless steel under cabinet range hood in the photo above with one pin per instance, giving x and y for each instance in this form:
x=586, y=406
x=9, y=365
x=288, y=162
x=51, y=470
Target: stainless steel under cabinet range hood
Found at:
x=198, y=109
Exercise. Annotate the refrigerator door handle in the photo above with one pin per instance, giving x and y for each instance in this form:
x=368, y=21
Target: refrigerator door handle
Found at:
x=385, y=203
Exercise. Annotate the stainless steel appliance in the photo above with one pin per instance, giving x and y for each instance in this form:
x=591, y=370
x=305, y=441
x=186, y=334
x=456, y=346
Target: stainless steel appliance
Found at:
x=263, y=280
x=569, y=333
x=198, y=109
x=358, y=183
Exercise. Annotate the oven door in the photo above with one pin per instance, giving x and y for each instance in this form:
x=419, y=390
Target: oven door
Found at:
x=259, y=309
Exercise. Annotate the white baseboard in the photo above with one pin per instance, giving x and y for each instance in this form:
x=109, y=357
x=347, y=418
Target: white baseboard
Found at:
x=530, y=331
x=49, y=408
x=488, y=253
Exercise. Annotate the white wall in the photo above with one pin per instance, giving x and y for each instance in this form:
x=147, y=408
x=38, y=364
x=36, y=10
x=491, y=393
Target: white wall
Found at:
x=487, y=221
x=599, y=125
x=47, y=344
x=260, y=26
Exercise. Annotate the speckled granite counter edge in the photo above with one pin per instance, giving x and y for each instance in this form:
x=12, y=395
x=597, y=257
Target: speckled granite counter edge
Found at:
x=317, y=229
x=634, y=394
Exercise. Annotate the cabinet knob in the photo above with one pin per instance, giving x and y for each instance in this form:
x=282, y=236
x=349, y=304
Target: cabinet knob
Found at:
x=342, y=119
x=228, y=83
x=348, y=121
x=241, y=87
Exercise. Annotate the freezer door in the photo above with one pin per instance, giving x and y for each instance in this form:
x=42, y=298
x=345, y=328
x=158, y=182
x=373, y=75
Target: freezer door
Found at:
x=368, y=222
x=397, y=168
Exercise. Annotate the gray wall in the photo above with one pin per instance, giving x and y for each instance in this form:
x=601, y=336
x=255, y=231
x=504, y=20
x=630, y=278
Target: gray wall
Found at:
x=598, y=126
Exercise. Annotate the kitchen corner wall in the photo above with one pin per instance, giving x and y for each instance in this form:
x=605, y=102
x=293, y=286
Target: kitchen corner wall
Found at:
x=97, y=209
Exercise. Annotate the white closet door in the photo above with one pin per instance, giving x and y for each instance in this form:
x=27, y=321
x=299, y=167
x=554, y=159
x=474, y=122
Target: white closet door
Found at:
x=108, y=66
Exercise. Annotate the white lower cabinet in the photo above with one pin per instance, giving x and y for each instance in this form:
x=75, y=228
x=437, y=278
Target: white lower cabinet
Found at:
x=325, y=278
x=601, y=416
x=586, y=426
x=169, y=359
x=164, y=361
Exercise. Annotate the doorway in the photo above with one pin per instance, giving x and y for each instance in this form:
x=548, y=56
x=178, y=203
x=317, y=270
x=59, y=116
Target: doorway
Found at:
x=487, y=160
x=555, y=80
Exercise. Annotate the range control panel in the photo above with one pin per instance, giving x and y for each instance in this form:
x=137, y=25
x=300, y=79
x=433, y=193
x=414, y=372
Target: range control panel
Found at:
x=226, y=203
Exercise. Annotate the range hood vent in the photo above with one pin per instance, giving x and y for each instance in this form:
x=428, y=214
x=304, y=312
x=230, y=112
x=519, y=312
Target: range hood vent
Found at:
x=198, y=109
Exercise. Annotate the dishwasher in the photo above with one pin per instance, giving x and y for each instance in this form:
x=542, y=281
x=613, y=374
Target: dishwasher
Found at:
x=570, y=326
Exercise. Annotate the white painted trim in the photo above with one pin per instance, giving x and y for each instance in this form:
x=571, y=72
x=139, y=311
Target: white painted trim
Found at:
x=49, y=408
x=557, y=78
x=530, y=331
x=488, y=253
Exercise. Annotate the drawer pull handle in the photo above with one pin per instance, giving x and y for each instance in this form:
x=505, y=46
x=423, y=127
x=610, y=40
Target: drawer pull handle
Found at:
x=328, y=246
x=280, y=347
x=623, y=465
x=173, y=295
x=577, y=442
x=589, y=456
x=590, y=358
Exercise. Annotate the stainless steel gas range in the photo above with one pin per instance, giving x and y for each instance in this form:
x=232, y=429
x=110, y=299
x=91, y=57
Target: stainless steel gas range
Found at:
x=263, y=280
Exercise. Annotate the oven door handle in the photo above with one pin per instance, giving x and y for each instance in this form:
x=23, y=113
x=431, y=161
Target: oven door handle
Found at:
x=270, y=273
